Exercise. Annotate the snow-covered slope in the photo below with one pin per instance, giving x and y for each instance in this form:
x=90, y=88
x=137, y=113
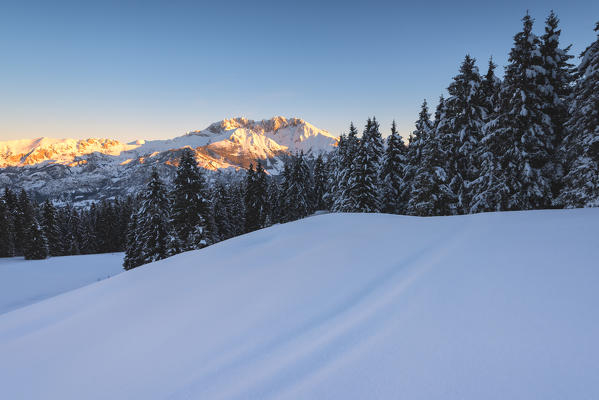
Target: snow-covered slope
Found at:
x=27, y=282
x=491, y=306
x=92, y=168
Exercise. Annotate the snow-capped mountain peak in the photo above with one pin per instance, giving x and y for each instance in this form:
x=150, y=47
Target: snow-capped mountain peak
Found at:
x=81, y=167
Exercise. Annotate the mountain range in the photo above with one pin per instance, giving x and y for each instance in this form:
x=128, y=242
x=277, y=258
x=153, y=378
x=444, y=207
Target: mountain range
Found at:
x=93, y=169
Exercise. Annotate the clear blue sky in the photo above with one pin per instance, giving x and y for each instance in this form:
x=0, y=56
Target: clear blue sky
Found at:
x=159, y=69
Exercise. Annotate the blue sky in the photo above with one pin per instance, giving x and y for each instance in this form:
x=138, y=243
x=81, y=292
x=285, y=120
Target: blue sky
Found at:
x=145, y=69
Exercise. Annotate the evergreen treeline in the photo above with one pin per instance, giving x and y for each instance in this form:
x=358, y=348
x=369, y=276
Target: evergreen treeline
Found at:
x=528, y=141
x=37, y=231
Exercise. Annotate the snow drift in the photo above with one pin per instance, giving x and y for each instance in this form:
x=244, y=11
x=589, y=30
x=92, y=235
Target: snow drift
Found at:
x=490, y=306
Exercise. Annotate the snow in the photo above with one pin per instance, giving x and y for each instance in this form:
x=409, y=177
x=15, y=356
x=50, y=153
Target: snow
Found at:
x=336, y=306
x=262, y=139
x=26, y=282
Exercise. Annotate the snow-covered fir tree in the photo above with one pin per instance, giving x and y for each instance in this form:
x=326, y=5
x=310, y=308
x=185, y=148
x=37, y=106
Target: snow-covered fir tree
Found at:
x=320, y=183
x=35, y=246
x=155, y=235
x=273, y=200
x=133, y=250
x=255, y=198
x=296, y=200
x=190, y=204
x=581, y=146
x=51, y=229
x=490, y=87
x=222, y=210
x=459, y=129
x=342, y=195
x=430, y=193
x=364, y=182
x=518, y=142
x=6, y=240
x=415, y=144
x=392, y=174
x=69, y=226
x=557, y=89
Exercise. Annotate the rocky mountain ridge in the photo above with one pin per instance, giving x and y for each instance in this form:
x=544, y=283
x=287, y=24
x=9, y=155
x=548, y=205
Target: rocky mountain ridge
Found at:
x=92, y=169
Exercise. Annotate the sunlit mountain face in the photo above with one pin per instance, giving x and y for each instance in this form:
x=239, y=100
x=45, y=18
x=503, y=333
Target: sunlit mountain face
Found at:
x=92, y=169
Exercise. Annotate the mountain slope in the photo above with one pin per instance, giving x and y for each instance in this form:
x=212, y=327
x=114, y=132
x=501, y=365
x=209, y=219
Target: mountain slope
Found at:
x=27, y=282
x=350, y=306
x=95, y=168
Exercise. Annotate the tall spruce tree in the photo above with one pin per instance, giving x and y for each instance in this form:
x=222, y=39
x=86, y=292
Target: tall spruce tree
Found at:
x=255, y=198
x=392, y=174
x=222, y=210
x=490, y=87
x=133, y=247
x=364, y=182
x=155, y=235
x=518, y=142
x=6, y=240
x=430, y=193
x=273, y=200
x=297, y=197
x=191, y=204
x=320, y=183
x=18, y=219
x=415, y=145
x=51, y=229
x=460, y=130
x=557, y=89
x=35, y=246
x=343, y=194
x=70, y=230
x=581, y=146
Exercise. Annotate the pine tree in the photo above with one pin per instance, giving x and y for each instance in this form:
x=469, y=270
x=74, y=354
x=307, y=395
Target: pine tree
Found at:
x=237, y=210
x=429, y=189
x=320, y=183
x=71, y=230
x=273, y=201
x=18, y=220
x=222, y=210
x=35, y=246
x=518, y=142
x=392, y=174
x=124, y=216
x=255, y=198
x=133, y=246
x=191, y=204
x=51, y=229
x=557, y=89
x=364, y=182
x=342, y=195
x=490, y=87
x=416, y=141
x=581, y=146
x=87, y=238
x=262, y=194
x=154, y=231
x=6, y=240
x=296, y=200
x=460, y=130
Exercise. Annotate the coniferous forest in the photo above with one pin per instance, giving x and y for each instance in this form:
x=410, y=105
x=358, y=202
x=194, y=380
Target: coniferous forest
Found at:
x=527, y=141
